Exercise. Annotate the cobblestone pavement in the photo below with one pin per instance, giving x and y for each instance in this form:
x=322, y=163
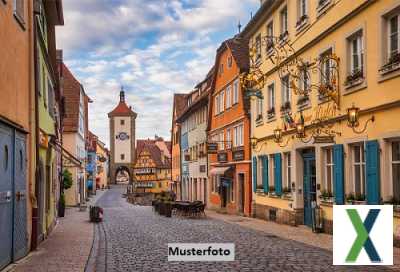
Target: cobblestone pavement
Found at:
x=136, y=240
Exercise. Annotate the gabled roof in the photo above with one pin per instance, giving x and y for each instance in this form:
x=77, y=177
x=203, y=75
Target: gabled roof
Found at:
x=179, y=104
x=155, y=152
x=240, y=52
x=122, y=108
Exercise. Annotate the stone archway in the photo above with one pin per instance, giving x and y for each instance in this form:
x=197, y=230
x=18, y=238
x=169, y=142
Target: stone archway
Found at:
x=122, y=175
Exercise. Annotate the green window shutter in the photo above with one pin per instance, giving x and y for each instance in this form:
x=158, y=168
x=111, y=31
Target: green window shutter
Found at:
x=265, y=174
x=254, y=174
x=278, y=174
x=372, y=172
x=338, y=174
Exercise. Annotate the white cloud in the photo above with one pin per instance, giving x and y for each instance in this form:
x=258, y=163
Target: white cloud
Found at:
x=154, y=48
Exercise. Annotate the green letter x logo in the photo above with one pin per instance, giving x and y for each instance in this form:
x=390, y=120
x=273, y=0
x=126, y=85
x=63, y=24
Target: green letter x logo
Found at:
x=363, y=239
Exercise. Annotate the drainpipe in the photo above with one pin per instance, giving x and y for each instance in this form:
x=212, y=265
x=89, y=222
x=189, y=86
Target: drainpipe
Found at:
x=35, y=210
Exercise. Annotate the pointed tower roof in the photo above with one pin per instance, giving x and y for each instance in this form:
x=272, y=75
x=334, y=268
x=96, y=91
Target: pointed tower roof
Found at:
x=122, y=108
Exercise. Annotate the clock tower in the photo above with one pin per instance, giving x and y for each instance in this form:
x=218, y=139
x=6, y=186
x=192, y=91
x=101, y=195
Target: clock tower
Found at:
x=122, y=140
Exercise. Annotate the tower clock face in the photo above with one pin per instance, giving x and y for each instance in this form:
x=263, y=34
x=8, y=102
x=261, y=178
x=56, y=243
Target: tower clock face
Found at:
x=123, y=136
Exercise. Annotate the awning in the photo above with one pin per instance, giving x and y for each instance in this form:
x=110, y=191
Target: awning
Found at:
x=219, y=170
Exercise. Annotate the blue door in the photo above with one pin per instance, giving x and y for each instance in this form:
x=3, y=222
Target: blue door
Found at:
x=6, y=195
x=20, y=235
x=309, y=186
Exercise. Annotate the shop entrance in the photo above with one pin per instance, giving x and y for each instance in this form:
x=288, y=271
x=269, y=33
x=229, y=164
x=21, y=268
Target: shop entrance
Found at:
x=309, y=186
x=241, y=192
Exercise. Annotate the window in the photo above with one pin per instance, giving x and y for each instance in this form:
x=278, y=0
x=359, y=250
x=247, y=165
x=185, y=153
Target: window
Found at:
x=326, y=66
x=359, y=170
x=19, y=10
x=304, y=85
x=221, y=140
x=260, y=169
x=258, y=48
x=122, y=157
x=236, y=92
x=328, y=170
x=228, y=100
x=302, y=9
x=214, y=183
x=229, y=61
x=270, y=35
x=122, y=122
x=284, y=22
x=228, y=139
x=259, y=109
x=221, y=69
x=396, y=170
x=216, y=103
x=393, y=36
x=221, y=100
x=238, y=136
x=285, y=93
x=288, y=175
x=271, y=98
x=356, y=53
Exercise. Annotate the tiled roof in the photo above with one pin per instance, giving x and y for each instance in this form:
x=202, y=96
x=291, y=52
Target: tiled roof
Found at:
x=179, y=104
x=71, y=88
x=155, y=152
x=121, y=110
x=240, y=51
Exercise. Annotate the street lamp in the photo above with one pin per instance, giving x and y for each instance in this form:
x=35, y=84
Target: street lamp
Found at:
x=353, y=119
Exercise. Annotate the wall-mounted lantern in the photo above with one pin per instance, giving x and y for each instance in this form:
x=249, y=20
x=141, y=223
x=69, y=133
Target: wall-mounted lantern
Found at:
x=353, y=119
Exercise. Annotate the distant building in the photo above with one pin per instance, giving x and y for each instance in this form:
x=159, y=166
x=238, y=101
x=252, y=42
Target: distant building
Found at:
x=193, y=127
x=102, y=165
x=91, y=164
x=152, y=166
x=177, y=109
x=229, y=131
x=122, y=140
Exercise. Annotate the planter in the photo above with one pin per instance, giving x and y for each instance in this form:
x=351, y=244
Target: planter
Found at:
x=168, y=209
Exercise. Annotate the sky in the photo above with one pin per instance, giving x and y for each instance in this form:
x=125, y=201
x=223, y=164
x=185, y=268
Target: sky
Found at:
x=154, y=48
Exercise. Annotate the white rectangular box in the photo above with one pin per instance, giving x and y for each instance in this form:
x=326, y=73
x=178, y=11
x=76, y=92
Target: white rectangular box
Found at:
x=201, y=252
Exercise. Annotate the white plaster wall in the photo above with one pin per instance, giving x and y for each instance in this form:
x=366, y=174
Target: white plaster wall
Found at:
x=122, y=147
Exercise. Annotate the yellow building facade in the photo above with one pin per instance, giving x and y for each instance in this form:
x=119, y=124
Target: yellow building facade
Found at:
x=321, y=60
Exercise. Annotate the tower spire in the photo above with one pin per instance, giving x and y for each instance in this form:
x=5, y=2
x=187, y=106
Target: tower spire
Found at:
x=122, y=94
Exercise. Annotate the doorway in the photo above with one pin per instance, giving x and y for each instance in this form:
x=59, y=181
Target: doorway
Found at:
x=309, y=186
x=241, y=192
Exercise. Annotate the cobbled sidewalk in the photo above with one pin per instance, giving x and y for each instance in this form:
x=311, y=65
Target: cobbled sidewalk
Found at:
x=301, y=233
x=66, y=249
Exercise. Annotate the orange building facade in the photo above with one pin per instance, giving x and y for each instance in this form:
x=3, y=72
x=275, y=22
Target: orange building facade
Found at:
x=229, y=130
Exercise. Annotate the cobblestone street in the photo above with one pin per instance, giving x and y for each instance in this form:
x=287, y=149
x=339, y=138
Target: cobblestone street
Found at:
x=136, y=240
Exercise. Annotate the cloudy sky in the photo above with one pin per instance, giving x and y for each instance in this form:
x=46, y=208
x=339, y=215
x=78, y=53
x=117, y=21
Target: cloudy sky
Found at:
x=154, y=48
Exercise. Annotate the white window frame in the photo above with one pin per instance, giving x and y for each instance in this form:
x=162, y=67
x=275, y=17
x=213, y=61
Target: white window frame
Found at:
x=271, y=96
x=392, y=163
x=284, y=20
x=238, y=140
x=228, y=100
x=258, y=45
x=228, y=139
x=328, y=165
x=361, y=163
x=358, y=38
x=389, y=34
x=288, y=168
x=302, y=8
x=235, y=92
x=259, y=108
x=286, y=95
x=324, y=67
x=270, y=34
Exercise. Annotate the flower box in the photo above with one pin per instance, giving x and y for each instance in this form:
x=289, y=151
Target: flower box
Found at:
x=286, y=106
x=283, y=36
x=354, y=78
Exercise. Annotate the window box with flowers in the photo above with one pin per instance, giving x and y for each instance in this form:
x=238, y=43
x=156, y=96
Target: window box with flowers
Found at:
x=271, y=113
x=355, y=199
x=271, y=192
x=355, y=78
x=283, y=36
x=392, y=64
x=326, y=197
x=286, y=107
x=303, y=101
x=303, y=20
x=286, y=193
x=260, y=189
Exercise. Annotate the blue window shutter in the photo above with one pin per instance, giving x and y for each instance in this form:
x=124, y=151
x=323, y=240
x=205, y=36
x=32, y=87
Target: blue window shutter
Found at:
x=254, y=174
x=372, y=172
x=265, y=173
x=278, y=174
x=338, y=174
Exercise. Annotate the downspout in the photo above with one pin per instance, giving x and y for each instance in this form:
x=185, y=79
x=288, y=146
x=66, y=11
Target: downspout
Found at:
x=35, y=210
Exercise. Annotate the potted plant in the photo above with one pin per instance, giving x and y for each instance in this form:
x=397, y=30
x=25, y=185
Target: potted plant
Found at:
x=271, y=190
x=271, y=112
x=260, y=187
x=350, y=198
x=61, y=208
x=354, y=76
x=286, y=193
x=359, y=198
x=168, y=208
